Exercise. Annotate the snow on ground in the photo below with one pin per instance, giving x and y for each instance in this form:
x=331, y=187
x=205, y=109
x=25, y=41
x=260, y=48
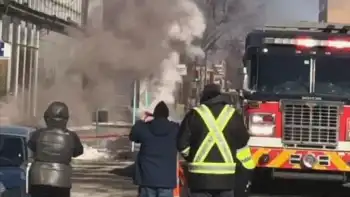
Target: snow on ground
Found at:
x=92, y=154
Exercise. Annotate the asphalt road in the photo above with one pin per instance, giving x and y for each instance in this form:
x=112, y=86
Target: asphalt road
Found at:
x=107, y=179
x=113, y=179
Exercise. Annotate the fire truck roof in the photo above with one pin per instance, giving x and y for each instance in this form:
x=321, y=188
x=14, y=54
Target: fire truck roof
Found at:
x=321, y=31
x=310, y=27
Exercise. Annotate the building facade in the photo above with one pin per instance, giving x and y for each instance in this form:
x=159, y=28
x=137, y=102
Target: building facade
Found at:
x=334, y=11
x=22, y=24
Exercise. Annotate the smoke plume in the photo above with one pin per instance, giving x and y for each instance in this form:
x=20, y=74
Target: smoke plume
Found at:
x=97, y=70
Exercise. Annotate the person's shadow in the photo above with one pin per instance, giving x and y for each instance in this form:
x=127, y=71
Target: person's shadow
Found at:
x=127, y=172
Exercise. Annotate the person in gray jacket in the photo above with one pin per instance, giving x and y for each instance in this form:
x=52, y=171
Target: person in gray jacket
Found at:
x=53, y=148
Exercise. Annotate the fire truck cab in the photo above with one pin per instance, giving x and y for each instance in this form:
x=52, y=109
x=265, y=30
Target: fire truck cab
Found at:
x=297, y=100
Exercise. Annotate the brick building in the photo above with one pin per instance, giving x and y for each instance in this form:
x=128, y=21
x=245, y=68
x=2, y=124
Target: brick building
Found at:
x=334, y=11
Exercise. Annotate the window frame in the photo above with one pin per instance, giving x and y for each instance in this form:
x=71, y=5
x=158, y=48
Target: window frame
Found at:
x=23, y=146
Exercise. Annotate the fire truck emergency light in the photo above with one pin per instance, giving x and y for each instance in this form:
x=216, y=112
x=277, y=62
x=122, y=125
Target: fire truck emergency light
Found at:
x=261, y=124
x=308, y=42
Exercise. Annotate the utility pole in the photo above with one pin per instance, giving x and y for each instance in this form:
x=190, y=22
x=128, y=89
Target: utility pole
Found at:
x=205, y=67
x=85, y=13
x=198, y=83
x=226, y=79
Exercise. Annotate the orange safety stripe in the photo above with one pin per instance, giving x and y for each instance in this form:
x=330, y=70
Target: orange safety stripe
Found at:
x=257, y=154
x=177, y=190
x=280, y=159
x=337, y=161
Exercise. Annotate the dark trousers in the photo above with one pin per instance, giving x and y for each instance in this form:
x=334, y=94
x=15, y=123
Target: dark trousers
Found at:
x=155, y=192
x=212, y=193
x=48, y=191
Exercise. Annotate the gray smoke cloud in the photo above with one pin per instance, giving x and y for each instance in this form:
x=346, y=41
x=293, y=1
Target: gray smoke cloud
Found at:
x=228, y=22
x=135, y=45
x=139, y=43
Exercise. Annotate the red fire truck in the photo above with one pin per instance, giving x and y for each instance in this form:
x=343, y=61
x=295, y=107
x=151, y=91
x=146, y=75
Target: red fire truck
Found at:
x=297, y=100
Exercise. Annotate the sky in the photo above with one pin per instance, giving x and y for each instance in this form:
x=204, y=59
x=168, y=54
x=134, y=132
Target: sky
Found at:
x=291, y=10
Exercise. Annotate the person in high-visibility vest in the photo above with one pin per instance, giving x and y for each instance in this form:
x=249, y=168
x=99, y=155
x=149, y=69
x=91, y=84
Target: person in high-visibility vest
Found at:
x=213, y=140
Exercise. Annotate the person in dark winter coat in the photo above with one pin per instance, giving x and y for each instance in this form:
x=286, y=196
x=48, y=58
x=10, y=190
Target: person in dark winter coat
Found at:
x=206, y=177
x=53, y=148
x=156, y=163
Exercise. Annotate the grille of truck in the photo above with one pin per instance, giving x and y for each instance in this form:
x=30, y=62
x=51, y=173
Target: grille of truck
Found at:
x=310, y=124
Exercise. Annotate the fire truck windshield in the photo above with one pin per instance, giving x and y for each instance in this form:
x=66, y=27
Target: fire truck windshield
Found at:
x=280, y=70
x=332, y=75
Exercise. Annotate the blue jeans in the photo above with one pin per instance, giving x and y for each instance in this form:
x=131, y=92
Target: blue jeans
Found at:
x=155, y=192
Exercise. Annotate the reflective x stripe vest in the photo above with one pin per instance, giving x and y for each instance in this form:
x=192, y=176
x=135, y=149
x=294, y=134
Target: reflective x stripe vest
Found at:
x=214, y=137
x=245, y=156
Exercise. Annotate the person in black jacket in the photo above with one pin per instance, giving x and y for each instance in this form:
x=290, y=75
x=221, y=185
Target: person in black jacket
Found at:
x=156, y=163
x=53, y=148
x=213, y=140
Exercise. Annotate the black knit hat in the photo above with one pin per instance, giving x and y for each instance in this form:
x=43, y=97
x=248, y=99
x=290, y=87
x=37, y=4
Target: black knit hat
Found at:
x=161, y=110
x=210, y=91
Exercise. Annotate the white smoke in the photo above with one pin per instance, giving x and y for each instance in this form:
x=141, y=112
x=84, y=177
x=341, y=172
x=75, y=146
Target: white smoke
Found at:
x=137, y=43
x=190, y=26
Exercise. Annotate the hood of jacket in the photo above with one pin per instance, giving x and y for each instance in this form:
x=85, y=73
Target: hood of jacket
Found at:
x=210, y=91
x=56, y=115
x=216, y=100
x=160, y=125
x=212, y=95
x=161, y=110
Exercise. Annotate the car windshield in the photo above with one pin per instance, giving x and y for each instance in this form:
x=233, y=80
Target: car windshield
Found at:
x=11, y=150
x=332, y=75
x=281, y=71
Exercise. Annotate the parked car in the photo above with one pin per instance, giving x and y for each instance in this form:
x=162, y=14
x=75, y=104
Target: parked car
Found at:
x=14, y=160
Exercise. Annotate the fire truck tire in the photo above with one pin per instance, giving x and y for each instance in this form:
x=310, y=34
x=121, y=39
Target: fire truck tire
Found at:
x=262, y=181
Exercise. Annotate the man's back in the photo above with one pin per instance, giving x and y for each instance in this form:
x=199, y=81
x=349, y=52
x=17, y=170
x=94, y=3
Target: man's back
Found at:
x=53, y=147
x=157, y=160
x=53, y=150
x=199, y=130
x=209, y=138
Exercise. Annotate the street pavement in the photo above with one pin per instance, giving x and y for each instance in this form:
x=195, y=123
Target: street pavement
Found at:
x=103, y=179
x=113, y=179
x=108, y=179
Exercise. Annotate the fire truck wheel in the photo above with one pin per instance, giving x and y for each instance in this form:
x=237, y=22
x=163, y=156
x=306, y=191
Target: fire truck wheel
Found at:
x=262, y=182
